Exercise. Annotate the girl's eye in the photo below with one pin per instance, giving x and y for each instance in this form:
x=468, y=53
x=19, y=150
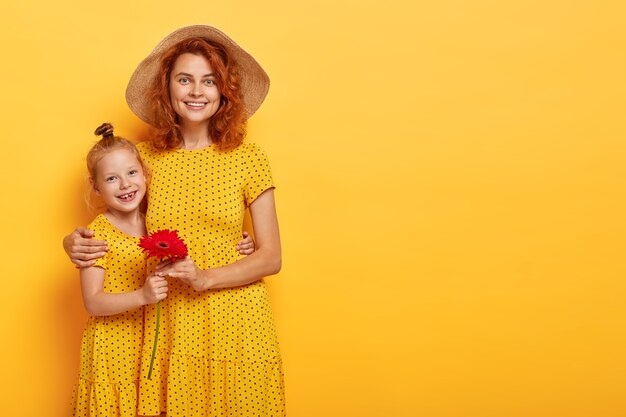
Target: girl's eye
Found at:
x=132, y=172
x=109, y=179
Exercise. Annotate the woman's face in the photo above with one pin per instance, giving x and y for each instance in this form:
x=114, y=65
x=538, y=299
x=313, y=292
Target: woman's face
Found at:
x=193, y=93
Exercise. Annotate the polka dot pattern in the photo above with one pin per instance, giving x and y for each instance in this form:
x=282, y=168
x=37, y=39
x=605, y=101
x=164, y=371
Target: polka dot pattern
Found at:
x=218, y=353
x=110, y=353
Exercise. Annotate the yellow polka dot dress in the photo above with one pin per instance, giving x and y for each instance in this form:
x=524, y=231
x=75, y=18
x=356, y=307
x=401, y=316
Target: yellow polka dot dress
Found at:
x=110, y=353
x=218, y=352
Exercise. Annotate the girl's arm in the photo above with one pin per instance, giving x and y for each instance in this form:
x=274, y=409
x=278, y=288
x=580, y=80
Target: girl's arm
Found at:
x=266, y=260
x=100, y=303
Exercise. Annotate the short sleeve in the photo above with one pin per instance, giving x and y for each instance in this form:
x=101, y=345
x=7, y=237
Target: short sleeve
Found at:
x=100, y=233
x=259, y=174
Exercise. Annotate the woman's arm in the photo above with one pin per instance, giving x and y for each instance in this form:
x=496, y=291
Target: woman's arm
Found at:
x=266, y=260
x=99, y=303
x=82, y=249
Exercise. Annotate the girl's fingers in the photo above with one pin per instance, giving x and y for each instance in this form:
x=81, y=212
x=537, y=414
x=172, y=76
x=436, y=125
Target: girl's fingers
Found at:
x=158, y=279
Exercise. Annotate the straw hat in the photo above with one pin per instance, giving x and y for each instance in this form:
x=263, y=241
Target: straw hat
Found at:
x=254, y=81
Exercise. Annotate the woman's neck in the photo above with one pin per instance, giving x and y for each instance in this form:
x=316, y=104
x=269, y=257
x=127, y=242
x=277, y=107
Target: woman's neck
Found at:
x=195, y=136
x=132, y=223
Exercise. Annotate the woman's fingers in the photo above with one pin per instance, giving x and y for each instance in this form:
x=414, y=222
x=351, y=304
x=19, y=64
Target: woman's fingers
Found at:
x=86, y=249
x=178, y=264
x=82, y=264
x=246, y=245
x=163, y=264
x=171, y=270
x=82, y=256
x=91, y=242
x=81, y=231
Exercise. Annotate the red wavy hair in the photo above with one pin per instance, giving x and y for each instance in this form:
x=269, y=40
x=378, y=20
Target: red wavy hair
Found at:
x=227, y=127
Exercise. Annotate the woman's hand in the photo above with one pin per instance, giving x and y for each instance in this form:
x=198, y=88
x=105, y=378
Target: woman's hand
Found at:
x=82, y=249
x=246, y=245
x=184, y=270
x=155, y=289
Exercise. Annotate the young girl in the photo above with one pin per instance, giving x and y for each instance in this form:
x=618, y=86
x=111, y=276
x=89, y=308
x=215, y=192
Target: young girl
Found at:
x=114, y=288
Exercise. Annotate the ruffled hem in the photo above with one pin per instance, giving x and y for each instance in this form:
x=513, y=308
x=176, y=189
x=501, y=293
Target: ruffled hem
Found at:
x=185, y=385
x=97, y=399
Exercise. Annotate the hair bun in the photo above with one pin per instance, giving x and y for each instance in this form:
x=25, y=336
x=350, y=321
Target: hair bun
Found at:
x=105, y=130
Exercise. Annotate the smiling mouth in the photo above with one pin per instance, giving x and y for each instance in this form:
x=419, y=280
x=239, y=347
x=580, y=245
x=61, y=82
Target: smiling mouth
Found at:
x=195, y=104
x=127, y=196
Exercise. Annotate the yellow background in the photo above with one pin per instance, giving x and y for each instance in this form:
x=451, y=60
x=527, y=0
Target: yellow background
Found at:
x=450, y=178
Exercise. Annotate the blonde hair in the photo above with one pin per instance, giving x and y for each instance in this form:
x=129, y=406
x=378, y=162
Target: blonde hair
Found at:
x=107, y=144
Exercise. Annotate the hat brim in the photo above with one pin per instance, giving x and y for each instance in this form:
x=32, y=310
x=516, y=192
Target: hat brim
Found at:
x=254, y=81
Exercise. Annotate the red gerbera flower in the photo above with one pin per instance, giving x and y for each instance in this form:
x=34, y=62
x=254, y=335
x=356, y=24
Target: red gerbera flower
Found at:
x=164, y=244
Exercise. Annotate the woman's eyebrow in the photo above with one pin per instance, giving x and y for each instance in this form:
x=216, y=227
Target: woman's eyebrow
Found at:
x=191, y=76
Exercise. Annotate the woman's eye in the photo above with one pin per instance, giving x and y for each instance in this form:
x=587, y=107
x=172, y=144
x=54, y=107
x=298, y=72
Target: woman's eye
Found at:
x=209, y=82
x=184, y=80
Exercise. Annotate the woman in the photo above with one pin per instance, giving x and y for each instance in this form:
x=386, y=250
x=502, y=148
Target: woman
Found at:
x=218, y=352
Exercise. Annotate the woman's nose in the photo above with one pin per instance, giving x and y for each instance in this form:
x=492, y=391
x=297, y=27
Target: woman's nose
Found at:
x=195, y=90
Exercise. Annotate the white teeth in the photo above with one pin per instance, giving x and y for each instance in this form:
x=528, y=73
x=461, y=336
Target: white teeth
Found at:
x=195, y=104
x=127, y=196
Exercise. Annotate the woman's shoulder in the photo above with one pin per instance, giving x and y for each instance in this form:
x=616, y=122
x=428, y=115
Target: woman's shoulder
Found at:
x=146, y=148
x=250, y=146
x=250, y=149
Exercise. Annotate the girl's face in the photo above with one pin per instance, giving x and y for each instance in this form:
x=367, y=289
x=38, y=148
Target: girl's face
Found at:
x=193, y=93
x=120, y=181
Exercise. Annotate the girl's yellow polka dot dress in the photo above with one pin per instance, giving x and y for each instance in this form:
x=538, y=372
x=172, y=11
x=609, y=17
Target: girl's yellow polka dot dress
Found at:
x=111, y=348
x=218, y=352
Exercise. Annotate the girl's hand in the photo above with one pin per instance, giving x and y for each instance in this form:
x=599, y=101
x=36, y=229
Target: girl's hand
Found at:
x=246, y=245
x=82, y=249
x=184, y=270
x=155, y=289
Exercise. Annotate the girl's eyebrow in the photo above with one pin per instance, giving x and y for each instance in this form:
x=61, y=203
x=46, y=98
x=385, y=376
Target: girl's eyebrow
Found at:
x=134, y=166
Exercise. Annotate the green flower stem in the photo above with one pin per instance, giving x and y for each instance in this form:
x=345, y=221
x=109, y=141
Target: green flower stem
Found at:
x=156, y=338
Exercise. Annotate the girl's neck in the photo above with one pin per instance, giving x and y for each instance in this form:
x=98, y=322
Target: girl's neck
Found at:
x=132, y=223
x=195, y=135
